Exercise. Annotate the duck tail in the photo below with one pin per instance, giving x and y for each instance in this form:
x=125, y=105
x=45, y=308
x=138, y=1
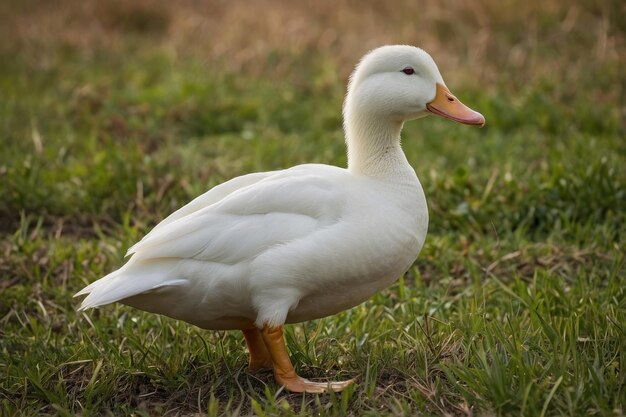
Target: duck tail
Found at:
x=132, y=279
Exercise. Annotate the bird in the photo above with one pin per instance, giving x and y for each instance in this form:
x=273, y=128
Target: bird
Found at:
x=268, y=249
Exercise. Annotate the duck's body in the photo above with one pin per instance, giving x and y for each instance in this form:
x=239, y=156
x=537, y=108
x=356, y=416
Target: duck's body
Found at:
x=287, y=246
x=284, y=246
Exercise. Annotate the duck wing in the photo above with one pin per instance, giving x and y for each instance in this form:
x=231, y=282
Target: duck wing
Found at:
x=230, y=232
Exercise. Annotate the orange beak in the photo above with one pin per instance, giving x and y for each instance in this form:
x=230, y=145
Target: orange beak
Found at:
x=447, y=105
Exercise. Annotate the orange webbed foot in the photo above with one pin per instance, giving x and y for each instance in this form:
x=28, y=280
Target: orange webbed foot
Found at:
x=299, y=384
x=284, y=372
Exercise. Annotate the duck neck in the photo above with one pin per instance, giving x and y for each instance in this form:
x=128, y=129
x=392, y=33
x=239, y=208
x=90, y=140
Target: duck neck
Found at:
x=374, y=146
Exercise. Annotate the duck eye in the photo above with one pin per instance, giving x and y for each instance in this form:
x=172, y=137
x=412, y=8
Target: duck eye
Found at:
x=408, y=71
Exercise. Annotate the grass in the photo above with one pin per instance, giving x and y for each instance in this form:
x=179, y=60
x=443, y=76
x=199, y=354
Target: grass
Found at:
x=516, y=305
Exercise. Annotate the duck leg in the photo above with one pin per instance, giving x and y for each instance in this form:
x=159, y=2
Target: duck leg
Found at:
x=284, y=372
x=259, y=356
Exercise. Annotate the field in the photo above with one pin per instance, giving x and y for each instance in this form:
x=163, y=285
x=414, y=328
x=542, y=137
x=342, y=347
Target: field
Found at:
x=114, y=114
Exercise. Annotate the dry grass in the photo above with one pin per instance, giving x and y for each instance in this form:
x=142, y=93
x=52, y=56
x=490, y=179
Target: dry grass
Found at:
x=527, y=39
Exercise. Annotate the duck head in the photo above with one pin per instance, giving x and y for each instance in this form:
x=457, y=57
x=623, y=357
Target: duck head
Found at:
x=401, y=83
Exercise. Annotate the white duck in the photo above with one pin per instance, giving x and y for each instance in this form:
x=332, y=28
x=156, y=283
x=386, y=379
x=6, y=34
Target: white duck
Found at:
x=270, y=248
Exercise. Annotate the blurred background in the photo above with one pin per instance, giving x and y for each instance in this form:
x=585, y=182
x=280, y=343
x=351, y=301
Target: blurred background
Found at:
x=115, y=113
x=143, y=75
x=480, y=40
